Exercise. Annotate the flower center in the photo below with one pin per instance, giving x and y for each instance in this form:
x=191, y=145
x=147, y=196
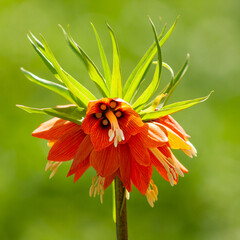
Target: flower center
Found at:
x=114, y=132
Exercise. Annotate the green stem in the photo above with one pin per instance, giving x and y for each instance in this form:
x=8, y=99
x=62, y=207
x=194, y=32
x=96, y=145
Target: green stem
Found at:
x=121, y=211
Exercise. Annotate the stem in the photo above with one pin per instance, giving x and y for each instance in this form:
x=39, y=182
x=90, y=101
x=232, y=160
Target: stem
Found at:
x=121, y=211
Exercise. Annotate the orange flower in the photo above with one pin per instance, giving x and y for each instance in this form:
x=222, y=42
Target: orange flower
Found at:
x=116, y=142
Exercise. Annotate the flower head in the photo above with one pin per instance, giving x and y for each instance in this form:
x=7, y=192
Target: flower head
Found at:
x=118, y=135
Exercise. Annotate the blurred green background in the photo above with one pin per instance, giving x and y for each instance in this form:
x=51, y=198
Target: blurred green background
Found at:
x=205, y=203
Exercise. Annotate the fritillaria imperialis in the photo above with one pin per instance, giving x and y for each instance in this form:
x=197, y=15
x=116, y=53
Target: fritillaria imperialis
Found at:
x=125, y=134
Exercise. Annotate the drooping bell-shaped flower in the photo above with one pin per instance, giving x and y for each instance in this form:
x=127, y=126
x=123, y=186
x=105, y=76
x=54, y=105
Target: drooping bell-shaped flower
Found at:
x=119, y=135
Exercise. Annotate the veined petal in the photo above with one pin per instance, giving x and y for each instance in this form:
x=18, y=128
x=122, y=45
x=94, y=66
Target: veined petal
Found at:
x=109, y=179
x=53, y=129
x=125, y=166
x=66, y=146
x=153, y=135
x=82, y=167
x=106, y=161
x=138, y=150
x=141, y=176
x=171, y=123
x=99, y=136
x=174, y=140
x=81, y=155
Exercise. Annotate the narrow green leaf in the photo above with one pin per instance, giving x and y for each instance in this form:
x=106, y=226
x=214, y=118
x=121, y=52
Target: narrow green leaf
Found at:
x=61, y=90
x=73, y=85
x=116, y=84
x=147, y=94
x=114, y=202
x=93, y=71
x=176, y=80
x=137, y=74
x=106, y=68
x=172, y=108
x=71, y=113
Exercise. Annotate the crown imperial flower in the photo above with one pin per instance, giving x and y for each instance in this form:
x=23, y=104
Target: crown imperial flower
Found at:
x=122, y=135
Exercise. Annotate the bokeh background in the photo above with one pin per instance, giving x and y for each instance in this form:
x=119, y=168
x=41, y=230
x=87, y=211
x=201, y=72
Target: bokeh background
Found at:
x=205, y=203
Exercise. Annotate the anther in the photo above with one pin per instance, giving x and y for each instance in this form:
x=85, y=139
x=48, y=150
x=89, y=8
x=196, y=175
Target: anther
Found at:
x=98, y=115
x=105, y=122
x=113, y=104
x=118, y=114
x=103, y=107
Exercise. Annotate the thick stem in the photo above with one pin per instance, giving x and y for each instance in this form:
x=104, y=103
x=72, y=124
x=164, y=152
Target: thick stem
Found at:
x=121, y=211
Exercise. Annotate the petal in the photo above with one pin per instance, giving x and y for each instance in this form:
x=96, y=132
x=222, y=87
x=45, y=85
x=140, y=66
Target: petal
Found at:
x=125, y=166
x=88, y=122
x=82, y=153
x=154, y=136
x=138, y=150
x=130, y=122
x=171, y=123
x=53, y=129
x=99, y=136
x=108, y=180
x=82, y=167
x=66, y=147
x=141, y=176
x=106, y=161
x=174, y=140
x=93, y=106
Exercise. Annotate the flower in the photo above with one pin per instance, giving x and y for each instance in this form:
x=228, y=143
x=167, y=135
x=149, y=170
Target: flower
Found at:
x=116, y=142
x=125, y=133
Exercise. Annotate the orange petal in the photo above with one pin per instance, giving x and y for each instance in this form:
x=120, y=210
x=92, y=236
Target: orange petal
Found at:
x=53, y=129
x=82, y=167
x=154, y=136
x=108, y=180
x=88, y=123
x=66, y=147
x=82, y=153
x=131, y=123
x=125, y=166
x=99, y=136
x=141, y=176
x=171, y=123
x=93, y=106
x=106, y=161
x=138, y=150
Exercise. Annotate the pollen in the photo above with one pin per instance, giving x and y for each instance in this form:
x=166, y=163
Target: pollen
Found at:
x=53, y=166
x=97, y=187
x=98, y=115
x=103, y=107
x=114, y=132
x=113, y=104
x=118, y=114
x=105, y=122
x=152, y=193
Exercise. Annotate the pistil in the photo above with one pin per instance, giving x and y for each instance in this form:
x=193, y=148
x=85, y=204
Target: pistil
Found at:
x=114, y=132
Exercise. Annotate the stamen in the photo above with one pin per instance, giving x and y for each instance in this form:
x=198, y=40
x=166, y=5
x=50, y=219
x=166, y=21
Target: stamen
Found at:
x=103, y=107
x=113, y=104
x=127, y=194
x=53, y=166
x=118, y=114
x=97, y=187
x=98, y=115
x=105, y=122
x=115, y=132
x=166, y=164
x=152, y=193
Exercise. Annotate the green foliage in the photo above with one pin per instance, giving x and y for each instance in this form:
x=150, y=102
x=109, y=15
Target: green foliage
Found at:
x=71, y=113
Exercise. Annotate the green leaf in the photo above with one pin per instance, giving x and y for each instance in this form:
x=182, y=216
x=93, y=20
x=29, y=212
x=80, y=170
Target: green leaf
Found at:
x=71, y=113
x=93, y=71
x=114, y=202
x=147, y=94
x=139, y=71
x=61, y=90
x=172, y=108
x=83, y=94
x=106, y=68
x=116, y=85
x=176, y=80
